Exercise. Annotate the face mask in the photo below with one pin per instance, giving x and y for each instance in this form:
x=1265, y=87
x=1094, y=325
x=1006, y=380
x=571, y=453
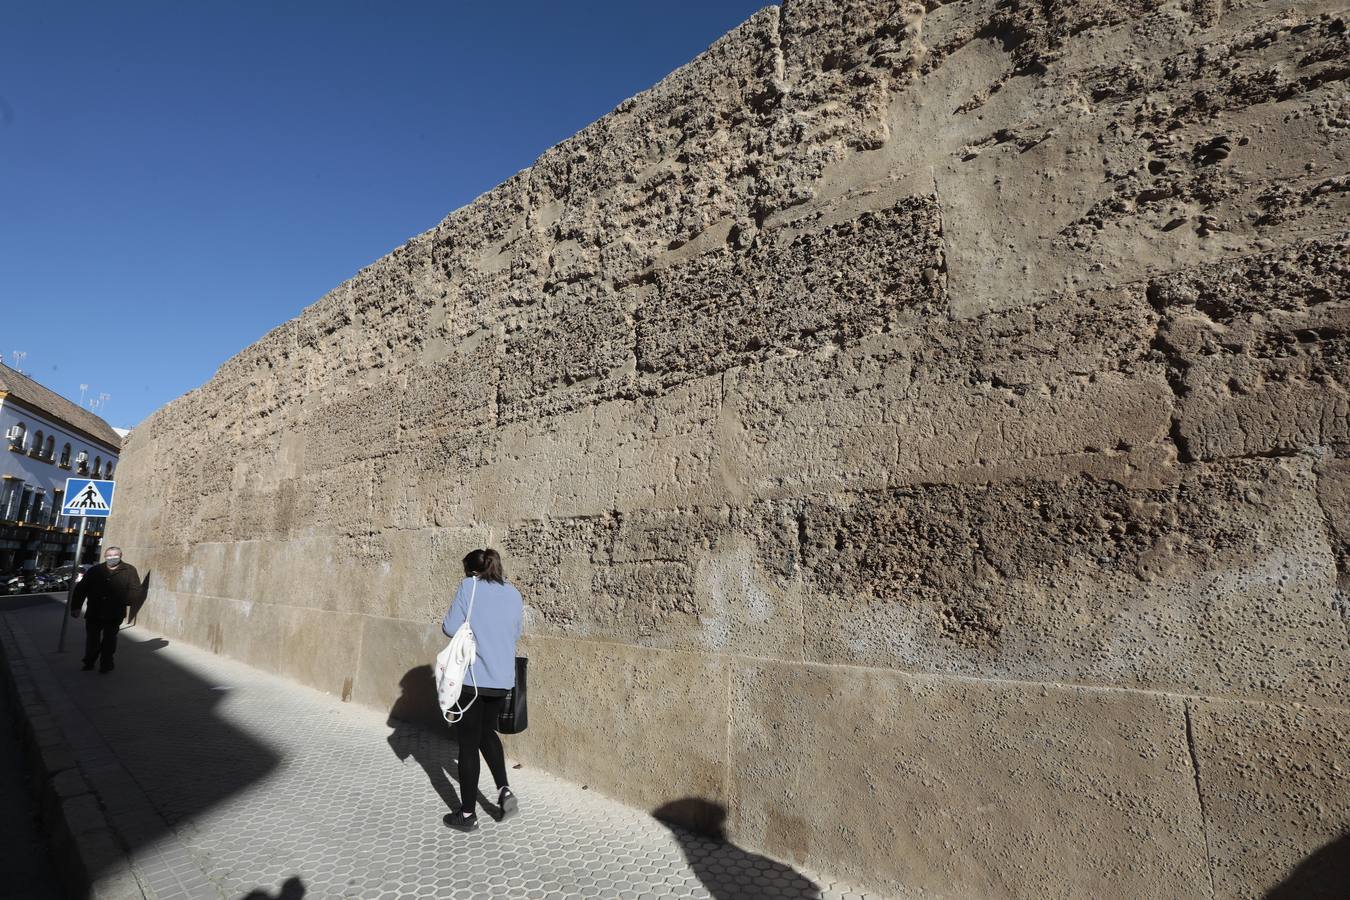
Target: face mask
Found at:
x=114, y=560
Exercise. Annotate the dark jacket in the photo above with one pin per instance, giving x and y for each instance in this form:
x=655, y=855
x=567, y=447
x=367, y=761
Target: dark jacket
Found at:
x=109, y=592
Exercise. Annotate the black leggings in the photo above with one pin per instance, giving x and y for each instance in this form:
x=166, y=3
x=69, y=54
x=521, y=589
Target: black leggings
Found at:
x=478, y=734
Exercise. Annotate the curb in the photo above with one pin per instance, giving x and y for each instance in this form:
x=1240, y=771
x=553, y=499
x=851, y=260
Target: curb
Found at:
x=90, y=860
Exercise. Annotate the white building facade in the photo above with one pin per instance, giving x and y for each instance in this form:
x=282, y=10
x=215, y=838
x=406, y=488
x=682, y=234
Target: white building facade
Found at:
x=45, y=439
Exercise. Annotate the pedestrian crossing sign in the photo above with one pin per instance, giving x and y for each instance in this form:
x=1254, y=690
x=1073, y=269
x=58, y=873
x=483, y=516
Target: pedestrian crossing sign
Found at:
x=87, y=497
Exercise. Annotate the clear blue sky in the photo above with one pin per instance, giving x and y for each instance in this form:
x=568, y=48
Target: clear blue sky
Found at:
x=178, y=178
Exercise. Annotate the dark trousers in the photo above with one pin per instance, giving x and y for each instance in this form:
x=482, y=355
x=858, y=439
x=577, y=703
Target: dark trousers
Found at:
x=478, y=734
x=100, y=640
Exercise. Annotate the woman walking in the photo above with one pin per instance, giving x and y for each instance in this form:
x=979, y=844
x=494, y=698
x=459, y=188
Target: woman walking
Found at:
x=496, y=622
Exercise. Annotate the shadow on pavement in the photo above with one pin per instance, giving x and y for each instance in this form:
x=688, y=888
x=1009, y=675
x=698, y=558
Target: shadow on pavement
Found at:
x=1323, y=876
x=727, y=871
x=23, y=601
x=173, y=755
x=420, y=732
x=26, y=866
x=291, y=889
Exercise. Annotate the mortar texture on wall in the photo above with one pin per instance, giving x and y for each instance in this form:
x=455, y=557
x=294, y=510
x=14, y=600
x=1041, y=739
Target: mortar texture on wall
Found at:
x=922, y=429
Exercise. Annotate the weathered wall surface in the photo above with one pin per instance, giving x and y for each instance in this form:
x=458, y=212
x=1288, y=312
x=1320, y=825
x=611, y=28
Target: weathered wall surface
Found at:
x=923, y=429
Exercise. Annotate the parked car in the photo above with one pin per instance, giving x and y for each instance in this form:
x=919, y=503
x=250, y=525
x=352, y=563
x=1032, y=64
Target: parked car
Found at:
x=63, y=577
x=20, y=583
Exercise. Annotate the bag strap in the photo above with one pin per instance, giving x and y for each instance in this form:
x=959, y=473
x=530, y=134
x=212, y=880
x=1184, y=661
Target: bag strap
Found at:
x=473, y=592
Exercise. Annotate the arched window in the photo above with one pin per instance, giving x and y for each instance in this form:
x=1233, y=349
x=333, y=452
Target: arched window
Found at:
x=37, y=443
x=110, y=468
x=65, y=456
x=98, y=464
x=51, y=449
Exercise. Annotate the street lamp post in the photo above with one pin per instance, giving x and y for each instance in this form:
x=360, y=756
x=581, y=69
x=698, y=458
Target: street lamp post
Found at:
x=70, y=594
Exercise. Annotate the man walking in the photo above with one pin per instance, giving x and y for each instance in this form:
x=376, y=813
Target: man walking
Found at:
x=110, y=587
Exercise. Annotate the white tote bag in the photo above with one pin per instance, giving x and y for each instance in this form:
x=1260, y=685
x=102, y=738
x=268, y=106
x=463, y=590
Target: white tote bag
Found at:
x=453, y=663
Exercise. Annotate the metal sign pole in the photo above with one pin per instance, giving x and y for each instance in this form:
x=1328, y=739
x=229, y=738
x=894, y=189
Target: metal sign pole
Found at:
x=70, y=595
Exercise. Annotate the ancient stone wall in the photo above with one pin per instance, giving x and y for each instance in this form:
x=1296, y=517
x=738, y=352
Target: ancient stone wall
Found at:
x=921, y=428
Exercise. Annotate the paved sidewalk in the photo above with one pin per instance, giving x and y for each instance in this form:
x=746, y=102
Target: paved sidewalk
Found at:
x=242, y=784
x=26, y=872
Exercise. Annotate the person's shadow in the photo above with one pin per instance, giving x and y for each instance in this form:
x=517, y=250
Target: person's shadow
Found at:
x=420, y=732
x=1323, y=876
x=140, y=601
x=291, y=889
x=727, y=871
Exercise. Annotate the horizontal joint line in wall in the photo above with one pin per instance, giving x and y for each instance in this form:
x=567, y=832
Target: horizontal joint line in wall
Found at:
x=914, y=673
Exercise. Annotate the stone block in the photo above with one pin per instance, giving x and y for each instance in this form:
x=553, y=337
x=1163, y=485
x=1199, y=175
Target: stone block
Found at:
x=222, y=569
x=837, y=284
x=1277, y=814
x=1027, y=214
x=703, y=579
x=614, y=710
x=320, y=572
x=1333, y=493
x=412, y=574
x=321, y=351
x=963, y=788
x=748, y=603
x=576, y=350
x=395, y=673
x=319, y=648
x=663, y=451
x=453, y=395
x=454, y=493
x=1216, y=580
x=541, y=469
x=631, y=187
x=789, y=457
x=553, y=562
x=336, y=500
x=265, y=513
x=945, y=428
x=1259, y=345
x=411, y=290
x=405, y=488
x=241, y=629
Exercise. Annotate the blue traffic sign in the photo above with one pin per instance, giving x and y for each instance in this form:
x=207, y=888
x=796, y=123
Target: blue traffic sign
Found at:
x=88, y=497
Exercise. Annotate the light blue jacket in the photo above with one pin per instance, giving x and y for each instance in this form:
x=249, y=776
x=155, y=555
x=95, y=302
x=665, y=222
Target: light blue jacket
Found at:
x=497, y=616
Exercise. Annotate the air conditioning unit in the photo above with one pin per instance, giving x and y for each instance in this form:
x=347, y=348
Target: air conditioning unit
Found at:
x=82, y=458
x=13, y=434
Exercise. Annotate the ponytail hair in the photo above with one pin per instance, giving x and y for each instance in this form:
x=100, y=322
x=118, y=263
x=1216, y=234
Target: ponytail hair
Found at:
x=485, y=564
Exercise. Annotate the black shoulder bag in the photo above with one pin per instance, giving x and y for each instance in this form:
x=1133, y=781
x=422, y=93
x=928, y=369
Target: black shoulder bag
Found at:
x=515, y=715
